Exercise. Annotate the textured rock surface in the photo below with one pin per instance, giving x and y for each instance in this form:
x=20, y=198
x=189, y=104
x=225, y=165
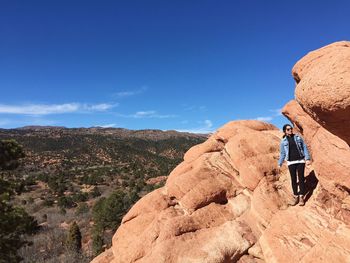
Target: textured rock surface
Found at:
x=204, y=211
x=227, y=201
x=323, y=89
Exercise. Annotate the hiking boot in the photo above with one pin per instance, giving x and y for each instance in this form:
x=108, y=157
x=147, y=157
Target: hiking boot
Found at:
x=295, y=200
x=301, y=200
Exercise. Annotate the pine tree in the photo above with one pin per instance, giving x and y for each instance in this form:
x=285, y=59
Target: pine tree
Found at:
x=10, y=152
x=74, y=238
x=14, y=221
x=97, y=240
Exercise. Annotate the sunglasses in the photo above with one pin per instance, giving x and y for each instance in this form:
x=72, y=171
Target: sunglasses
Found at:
x=289, y=129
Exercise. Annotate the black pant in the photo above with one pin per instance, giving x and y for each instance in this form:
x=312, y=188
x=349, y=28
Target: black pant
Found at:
x=293, y=170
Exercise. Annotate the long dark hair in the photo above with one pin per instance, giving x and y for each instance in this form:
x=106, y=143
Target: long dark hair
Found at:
x=285, y=128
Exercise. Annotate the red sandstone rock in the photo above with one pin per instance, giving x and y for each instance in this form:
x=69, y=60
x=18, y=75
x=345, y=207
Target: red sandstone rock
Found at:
x=227, y=201
x=198, y=216
x=323, y=87
x=157, y=180
x=105, y=257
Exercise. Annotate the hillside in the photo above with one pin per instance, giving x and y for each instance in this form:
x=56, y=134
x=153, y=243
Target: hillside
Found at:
x=57, y=149
x=65, y=171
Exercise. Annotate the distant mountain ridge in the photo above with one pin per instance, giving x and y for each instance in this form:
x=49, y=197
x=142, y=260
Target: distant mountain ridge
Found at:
x=152, y=134
x=60, y=148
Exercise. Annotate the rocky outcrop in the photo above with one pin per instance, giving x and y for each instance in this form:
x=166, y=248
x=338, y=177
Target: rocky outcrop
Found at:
x=228, y=202
x=323, y=87
x=214, y=205
x=321, y=112
x=157, y=180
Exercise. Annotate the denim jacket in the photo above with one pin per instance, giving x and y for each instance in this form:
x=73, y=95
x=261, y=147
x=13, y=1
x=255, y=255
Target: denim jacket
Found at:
x=284, y=148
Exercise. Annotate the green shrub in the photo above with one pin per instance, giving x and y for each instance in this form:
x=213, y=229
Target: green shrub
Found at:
x=80, y=197
x=65, y=202
x=97, y=240
x=82, y=208
x=95, y=192
x=14, y=221
x=108, y=212
x=73, y=240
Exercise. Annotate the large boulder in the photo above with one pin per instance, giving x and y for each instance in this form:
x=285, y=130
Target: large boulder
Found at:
x=323, y=87
x=213, y=209
x=214, y=205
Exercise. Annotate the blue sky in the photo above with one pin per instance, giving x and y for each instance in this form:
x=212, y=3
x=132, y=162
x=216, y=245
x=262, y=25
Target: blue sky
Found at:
x=184, y=65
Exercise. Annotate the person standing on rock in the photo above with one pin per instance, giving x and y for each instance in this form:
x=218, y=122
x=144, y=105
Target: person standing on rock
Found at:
x=294, y=150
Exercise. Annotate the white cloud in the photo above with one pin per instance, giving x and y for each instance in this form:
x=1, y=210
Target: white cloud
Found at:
x=266, y=118
x=206, y=127
x=146, y=114
x=195, y=108
x=100, y=107
x=141, y=114
x=208, y=123
x=45, y=109
x=277, y=112
x=110, y=125
x=38, y=108
x=129, y=93
x=124, y=93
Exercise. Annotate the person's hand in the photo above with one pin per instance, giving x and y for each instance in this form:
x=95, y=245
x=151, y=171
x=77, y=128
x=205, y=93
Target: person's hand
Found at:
x=308, y=162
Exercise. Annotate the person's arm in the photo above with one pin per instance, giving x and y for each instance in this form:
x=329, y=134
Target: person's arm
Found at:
x=282, y=155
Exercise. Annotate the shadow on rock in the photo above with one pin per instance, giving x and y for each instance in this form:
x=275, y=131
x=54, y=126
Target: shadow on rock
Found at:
x=310, y=183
